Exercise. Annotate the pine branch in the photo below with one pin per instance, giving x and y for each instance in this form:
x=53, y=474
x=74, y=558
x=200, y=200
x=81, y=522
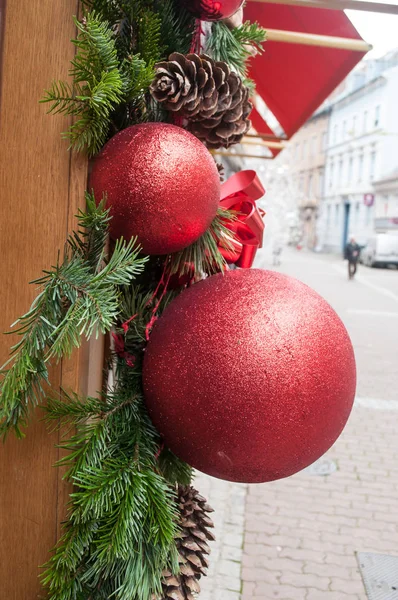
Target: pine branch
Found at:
x=177, y=27
x=122, y=510
x=97, y=86
x=174, y=470
x=204, y=256
x=79, y=297
x=231, y=45
x=96, y=50
x=137, y=77
x=148, y=38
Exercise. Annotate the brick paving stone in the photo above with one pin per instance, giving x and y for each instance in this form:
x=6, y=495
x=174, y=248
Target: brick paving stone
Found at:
x=322, y=521
x=228, y=500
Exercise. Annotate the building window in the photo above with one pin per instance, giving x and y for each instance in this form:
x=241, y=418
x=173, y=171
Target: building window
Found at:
x=328, y=210
x=304, y=149
x=331, y=174
x=343, y=133
x=341, y=166
x=321, y=176
x=310, y=185
x=377, y=115
x=324, y=140
x=335, y=134
x=372, y=165
x=313, y=145
x=360, y=167
x=354, y=124
x=365, y=121
x=350, y=169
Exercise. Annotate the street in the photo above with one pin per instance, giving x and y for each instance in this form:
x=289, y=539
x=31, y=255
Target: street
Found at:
x=297, y=538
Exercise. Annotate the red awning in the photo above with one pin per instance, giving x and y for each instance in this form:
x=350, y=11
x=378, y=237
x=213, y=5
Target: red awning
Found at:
x=294, y=79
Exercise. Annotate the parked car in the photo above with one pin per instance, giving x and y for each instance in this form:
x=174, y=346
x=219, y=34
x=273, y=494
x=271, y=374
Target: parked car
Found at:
x=380, y=250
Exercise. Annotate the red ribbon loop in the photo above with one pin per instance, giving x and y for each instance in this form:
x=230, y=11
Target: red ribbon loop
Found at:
x=239, y=194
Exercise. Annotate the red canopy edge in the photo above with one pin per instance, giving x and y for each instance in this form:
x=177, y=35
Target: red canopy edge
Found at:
x=294, y=80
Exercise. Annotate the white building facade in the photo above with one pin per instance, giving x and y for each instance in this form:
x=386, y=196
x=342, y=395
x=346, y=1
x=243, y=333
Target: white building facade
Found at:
x=360, y=194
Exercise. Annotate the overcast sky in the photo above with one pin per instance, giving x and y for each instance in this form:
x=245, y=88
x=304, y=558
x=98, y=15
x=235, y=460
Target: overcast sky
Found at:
x=378, y=29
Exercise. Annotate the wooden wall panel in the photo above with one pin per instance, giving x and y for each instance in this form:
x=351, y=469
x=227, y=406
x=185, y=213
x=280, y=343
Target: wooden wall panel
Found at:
x=41, y=187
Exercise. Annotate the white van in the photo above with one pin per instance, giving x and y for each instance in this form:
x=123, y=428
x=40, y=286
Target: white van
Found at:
x=380, y=250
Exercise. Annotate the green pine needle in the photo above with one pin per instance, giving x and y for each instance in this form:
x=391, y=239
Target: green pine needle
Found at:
x=230, y=45
x=122, y=521
x=79, y=298
x=204, y=255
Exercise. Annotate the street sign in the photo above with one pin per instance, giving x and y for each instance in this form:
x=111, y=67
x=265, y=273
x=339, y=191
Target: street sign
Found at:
x=368, y=199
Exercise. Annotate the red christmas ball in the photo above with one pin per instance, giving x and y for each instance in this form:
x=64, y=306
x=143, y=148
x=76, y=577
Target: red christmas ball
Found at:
x=249, y=376
x=162, y=186
x=213, y=10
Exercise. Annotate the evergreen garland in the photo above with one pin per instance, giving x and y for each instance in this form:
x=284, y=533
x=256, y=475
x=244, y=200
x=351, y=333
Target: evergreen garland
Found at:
x=233, y=45
x=119, y=537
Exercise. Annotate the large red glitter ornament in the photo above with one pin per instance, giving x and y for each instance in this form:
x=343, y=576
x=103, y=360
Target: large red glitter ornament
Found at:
x=162, y=186
x=249, y=376
x=213, y=10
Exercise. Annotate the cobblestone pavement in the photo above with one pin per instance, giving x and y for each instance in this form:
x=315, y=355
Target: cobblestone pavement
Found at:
x=228, y=500
x=300, y=534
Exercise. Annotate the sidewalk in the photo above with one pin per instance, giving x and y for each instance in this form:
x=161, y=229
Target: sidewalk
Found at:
x=301, y=534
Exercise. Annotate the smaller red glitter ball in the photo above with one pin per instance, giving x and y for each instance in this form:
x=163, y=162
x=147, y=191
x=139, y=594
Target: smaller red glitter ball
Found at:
x=249, y=376
x=212, y=10
x=161, y=183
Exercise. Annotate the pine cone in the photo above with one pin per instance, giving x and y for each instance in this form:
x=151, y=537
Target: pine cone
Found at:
x=192, y=546
x=208, y=94
x=221, y=171
x=186, y=84
x=228, y=128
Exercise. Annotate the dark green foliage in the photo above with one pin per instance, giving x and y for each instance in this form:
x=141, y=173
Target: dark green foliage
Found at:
x=204, y=255
x=97, y=87
x=122, y=521
x=229, y=45
x=177, y=27
x=79, y=297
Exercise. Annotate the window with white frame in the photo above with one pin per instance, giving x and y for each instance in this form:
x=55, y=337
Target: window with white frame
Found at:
x=377, y=116
x=331, y=174
x=313, y=150
x=354, y=124
x=335, y=134
x=321, y=177
x=341, y=168
x=372, y=165
x=350, y=169
x=360, y=166
x=365, y=121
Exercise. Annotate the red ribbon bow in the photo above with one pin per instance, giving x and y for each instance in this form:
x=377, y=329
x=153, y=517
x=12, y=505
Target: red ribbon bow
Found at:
x=239, y=194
